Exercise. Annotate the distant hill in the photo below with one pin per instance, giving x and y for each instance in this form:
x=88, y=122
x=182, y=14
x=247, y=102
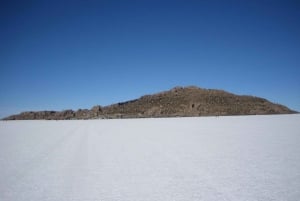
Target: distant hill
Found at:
x=177, y=102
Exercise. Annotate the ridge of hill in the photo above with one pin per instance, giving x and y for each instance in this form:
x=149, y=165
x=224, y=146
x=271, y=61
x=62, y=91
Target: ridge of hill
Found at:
x=177, y=102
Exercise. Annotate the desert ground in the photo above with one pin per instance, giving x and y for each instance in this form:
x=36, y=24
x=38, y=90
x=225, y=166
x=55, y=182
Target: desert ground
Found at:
x=159, y=159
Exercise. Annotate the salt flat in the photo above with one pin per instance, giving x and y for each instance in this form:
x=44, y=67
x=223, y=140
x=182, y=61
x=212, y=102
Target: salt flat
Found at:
x=207, y=158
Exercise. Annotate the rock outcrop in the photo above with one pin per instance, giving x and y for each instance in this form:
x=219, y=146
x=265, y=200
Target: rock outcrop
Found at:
x=177, y=102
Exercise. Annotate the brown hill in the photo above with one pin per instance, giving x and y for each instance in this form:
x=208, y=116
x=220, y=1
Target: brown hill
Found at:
x=177, y=102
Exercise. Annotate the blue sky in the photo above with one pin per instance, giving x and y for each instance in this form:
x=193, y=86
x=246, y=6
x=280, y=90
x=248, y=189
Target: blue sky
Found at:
x=58, y=55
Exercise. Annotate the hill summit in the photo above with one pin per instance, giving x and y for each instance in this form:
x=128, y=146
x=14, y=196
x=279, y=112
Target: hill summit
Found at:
x=177, y=102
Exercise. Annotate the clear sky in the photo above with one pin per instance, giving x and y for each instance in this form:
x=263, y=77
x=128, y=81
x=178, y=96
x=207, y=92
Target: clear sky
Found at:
x=58, y=55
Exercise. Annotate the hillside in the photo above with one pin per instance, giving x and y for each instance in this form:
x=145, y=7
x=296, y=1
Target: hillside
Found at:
x=177, y=102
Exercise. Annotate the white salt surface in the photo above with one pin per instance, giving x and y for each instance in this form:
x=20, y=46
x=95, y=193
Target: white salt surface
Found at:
x=209, y=158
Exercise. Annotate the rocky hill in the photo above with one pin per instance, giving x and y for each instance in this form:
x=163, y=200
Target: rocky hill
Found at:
x=177, y=102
